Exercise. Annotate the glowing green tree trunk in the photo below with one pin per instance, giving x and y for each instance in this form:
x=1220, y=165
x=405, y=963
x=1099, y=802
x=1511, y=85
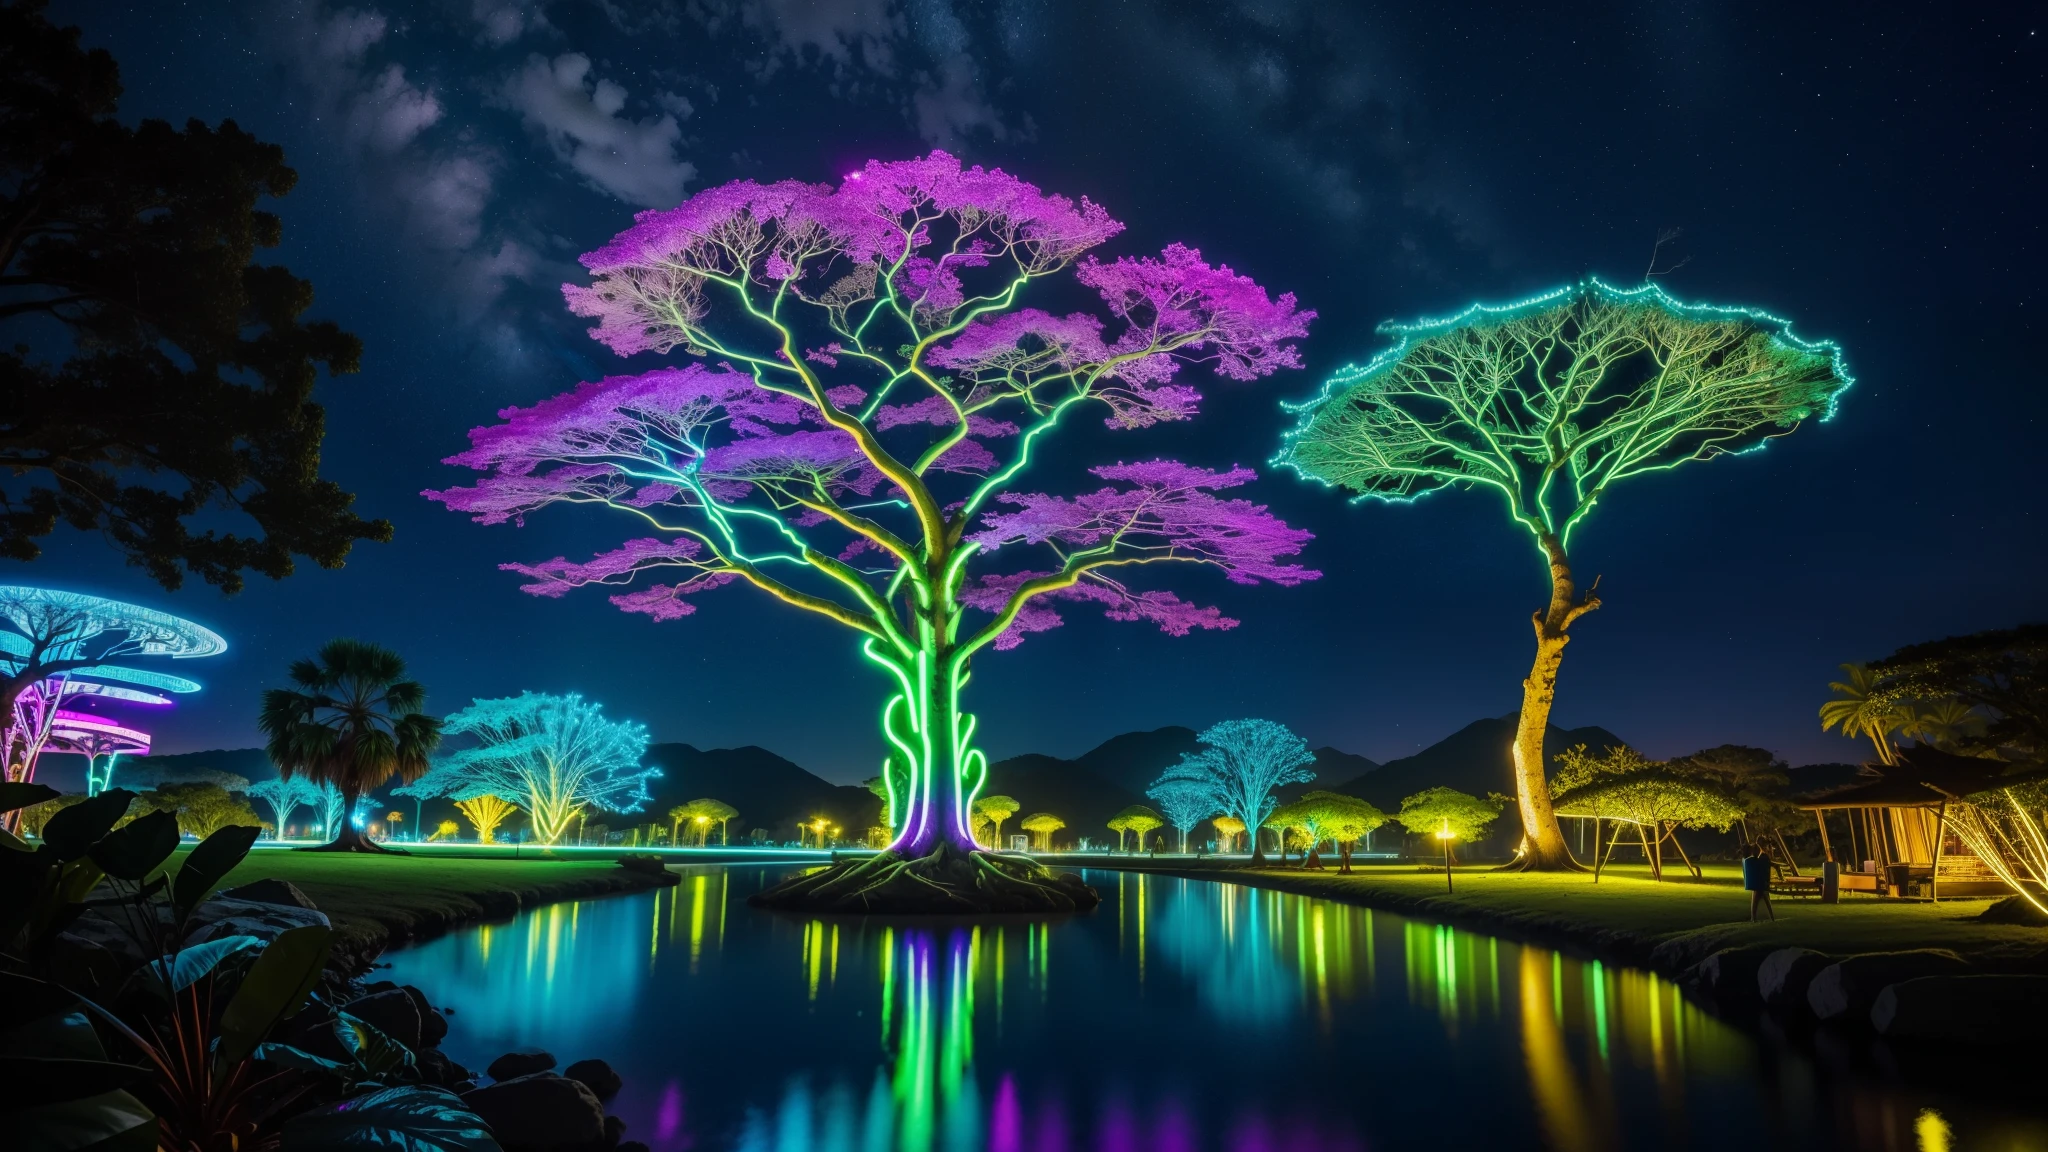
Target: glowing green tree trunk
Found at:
x=933, y=771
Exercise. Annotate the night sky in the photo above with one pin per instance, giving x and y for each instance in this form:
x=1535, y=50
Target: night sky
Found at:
x=1874, y=176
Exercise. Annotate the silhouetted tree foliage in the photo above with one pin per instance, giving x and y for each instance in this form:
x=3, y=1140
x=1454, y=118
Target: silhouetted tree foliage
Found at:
x=2002, y=675
x=1753, y=779
x=152, y=373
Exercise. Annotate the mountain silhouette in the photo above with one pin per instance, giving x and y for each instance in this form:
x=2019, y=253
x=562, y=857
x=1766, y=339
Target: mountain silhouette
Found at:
x=769, y=791
x=141, y=773
x=1478, y=758
x=1336, y=771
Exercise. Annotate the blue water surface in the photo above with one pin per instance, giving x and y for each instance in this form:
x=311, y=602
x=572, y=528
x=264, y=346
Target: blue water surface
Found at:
x=1180, y=1015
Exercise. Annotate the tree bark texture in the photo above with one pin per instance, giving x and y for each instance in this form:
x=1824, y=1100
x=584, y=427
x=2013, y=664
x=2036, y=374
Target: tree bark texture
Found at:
x=1543, y=844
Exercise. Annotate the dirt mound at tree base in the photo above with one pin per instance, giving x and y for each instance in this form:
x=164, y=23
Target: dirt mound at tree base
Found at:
x=948, y=882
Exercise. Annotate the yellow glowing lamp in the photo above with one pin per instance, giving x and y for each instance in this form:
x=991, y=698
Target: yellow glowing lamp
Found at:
x=1445, y=833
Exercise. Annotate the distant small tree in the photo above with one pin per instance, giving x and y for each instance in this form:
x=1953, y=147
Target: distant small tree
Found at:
x=1184, y=803
x=485, y=812
x=285, y=795
x=1757, y=781
x=33, y=818
x=1136, y=819
x=556, y=756
x=1043, y=825
x=1242, y=762
x=446, y=830
x=996, y=809
x=676, y=816
x=1228, y=829
x=713, y=812
x=1331, y=816
x=1435, y=810
x=203, y=809
x=1621, y=785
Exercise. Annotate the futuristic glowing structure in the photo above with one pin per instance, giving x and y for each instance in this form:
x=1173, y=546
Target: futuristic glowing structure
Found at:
x=1547, y=404
x=59, y=648
x=872, y=390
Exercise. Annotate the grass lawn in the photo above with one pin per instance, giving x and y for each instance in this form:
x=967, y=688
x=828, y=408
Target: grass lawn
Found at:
x=377, y=900
x=1629, y=915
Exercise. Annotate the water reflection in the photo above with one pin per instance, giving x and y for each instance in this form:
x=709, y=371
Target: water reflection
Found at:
x=1181, y=1016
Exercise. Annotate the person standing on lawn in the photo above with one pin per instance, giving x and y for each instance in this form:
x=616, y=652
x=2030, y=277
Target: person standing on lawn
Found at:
x=1756, y=880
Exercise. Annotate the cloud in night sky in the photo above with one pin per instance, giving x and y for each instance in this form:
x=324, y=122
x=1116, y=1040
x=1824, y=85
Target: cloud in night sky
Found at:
x=456, y=155
x=581, y=117
x=918, y=55
x=442, y=189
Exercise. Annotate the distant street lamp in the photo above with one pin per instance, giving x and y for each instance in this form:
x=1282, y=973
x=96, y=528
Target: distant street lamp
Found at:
x=1445, y=834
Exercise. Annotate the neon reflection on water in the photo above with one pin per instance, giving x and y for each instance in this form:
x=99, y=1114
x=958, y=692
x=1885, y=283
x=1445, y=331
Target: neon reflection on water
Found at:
x=1193, y=1016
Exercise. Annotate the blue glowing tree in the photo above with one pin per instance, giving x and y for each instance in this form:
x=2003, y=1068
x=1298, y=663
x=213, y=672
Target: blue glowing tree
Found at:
x=871, y=390
x=287, y=794
x=1546, y=405
x=1244, y=761
x=1185, y=803
x=555, y=756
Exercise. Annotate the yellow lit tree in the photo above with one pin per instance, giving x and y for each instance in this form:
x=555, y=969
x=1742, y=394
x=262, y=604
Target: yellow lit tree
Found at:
x=996, y=809
x=486, y=812
x=1043, y=825
x=1228, y=829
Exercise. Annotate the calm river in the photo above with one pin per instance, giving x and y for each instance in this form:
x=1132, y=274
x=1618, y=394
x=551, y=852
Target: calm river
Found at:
x=1180, y=1015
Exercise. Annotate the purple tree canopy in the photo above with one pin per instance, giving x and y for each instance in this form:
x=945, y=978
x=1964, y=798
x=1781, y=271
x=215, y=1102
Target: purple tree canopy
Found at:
x=865, y=388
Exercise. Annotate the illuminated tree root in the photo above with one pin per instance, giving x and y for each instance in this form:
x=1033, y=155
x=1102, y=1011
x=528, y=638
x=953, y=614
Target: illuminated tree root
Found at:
x=949, y=881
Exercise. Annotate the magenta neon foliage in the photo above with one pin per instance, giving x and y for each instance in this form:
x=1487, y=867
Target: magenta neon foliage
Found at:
x=865, y=388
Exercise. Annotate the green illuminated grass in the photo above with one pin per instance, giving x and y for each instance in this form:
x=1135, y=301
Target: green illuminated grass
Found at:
x=375, y=901
x=1627, y=915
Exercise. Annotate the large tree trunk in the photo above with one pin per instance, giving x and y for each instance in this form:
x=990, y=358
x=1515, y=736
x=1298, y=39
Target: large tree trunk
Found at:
x=950, y=772
x=1543, y=843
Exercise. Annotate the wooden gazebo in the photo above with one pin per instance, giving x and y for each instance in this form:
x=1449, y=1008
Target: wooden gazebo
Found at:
x=1898, y=839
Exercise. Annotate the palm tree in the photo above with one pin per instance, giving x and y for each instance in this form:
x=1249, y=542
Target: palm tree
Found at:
x=353, y=721
x=676, y=816
x=1946, y=724
x=1859, y=711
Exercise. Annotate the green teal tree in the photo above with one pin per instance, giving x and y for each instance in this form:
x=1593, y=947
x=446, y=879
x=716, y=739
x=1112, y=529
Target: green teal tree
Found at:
x=1650, y=796
x=1137, y=820
x=1342, y=820
x=1238, y=767
x=284, y=796
x=556, y=757
x=352, y=719
x=1547, y=406
x=1465, y=816
x=1184, y=803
